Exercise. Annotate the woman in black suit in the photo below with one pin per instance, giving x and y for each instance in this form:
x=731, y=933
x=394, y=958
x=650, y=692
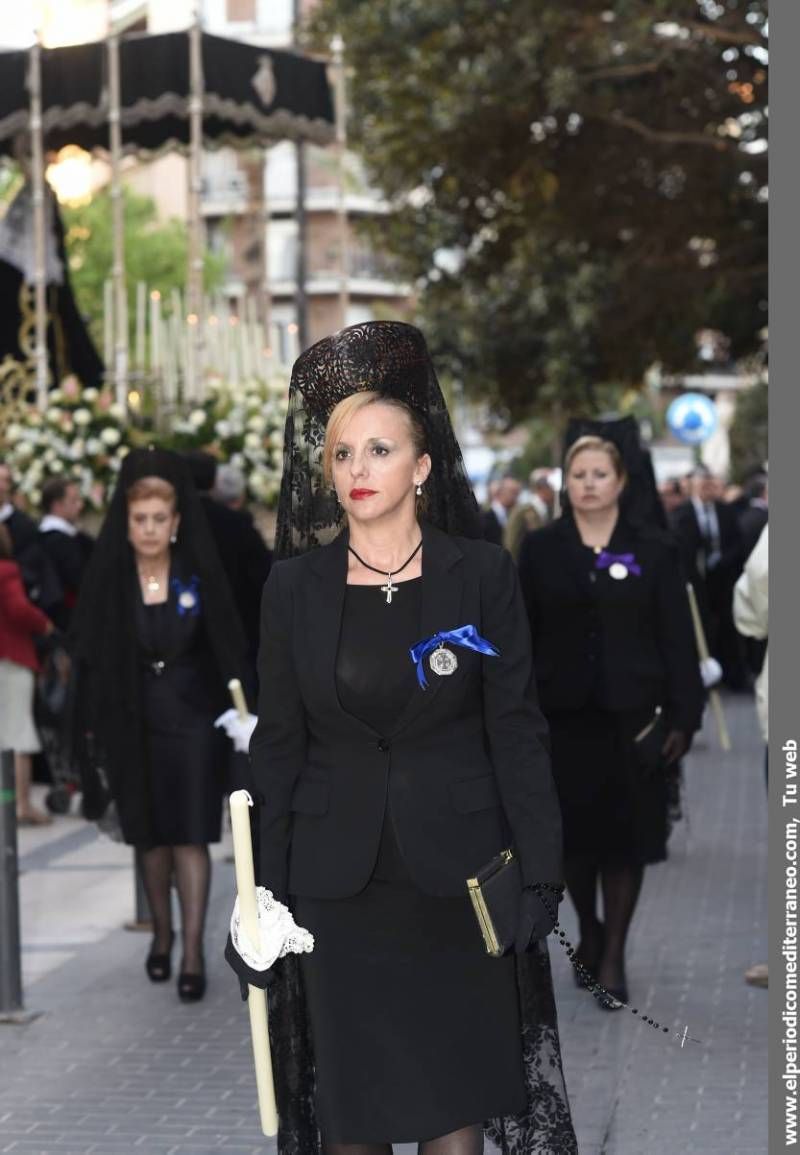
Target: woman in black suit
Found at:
x=619, y=683
x=382, y=796
x=154, y=640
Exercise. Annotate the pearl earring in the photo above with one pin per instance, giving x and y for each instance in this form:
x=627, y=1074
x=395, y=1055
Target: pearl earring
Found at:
x=419, y=490
x=173, y=538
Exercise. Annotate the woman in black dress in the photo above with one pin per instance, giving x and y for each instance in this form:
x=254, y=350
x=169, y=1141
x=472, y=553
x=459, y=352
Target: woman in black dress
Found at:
x=155, y=639
x=619, y=682
x=381, y=797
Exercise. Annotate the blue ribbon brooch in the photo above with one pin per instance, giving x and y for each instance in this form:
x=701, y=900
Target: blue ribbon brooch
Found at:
x=443, y=661
x=188, y=596
x=619, y=565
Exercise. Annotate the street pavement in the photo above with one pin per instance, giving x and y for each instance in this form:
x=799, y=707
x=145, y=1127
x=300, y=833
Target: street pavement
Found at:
x=114, y=1064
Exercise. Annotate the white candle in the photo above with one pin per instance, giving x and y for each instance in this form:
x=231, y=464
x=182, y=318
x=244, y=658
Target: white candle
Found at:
x=155, y=331
x=108, y=325
x=237, y=694
x=169, y=368
x=247, y=348
x=141, y=298
x=240, y=803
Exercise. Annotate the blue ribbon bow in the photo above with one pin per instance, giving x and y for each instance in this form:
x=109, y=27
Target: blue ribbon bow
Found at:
x=187, y=596
x=466, y=636
x=605, y=560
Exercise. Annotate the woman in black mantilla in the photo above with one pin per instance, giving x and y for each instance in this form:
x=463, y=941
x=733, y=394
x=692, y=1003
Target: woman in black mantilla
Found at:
x=380, y=797
x=155, y=639
x=619, y=682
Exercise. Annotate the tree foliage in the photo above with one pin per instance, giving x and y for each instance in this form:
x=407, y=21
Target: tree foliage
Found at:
x=579, y=184
x=749, y=443
x=155, y=252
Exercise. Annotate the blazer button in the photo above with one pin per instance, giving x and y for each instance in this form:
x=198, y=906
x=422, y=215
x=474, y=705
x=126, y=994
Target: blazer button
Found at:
x=383, y=746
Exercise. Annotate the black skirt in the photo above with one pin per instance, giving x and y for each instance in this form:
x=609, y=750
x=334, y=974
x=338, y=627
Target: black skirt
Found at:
x=612, y=811
x=415, y=1029
x=186, y=755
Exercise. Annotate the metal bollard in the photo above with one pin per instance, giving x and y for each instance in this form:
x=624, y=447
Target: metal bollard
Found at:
x=142, y=919
x=11, y=1008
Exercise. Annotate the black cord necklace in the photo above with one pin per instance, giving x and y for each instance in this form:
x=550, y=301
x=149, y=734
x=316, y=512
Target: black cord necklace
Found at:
x=388, y=589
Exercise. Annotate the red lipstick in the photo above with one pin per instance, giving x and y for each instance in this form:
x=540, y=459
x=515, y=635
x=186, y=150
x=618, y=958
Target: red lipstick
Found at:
x=360, y=494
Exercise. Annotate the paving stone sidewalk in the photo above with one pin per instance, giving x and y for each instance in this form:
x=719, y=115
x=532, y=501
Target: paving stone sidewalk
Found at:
x=116, y=1065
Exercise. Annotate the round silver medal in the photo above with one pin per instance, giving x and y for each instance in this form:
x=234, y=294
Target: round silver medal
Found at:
x=443, y=662
x=187, y=600
x=618, y=571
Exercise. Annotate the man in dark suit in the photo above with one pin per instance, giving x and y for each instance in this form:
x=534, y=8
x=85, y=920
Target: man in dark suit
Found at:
x=242, y=550
x=710, y=540
x=67, y=547
x=504, y=495
x=753, y=511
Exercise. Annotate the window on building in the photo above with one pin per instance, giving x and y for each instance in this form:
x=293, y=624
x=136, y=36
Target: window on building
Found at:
x=358, y=314
x=282, y=250
x=282, y=172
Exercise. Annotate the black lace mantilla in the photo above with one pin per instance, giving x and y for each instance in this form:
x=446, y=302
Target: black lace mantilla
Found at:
x=545, y=1127
x=390, y=358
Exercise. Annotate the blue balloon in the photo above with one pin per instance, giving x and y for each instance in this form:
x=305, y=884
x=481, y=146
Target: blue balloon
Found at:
x=692, y=418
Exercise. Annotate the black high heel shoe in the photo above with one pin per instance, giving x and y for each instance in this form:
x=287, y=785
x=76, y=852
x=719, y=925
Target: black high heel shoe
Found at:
x=584, y=977
x=615, y=997
x=192, y=987
x=159, y=966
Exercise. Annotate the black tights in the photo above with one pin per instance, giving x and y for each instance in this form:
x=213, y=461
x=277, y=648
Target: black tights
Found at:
x=191, y=866
x=467, y=1141
x=602, y=948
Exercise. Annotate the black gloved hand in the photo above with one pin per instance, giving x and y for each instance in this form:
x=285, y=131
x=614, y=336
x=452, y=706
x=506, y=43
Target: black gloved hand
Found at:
x=675, y=746
x=535, y=918
x=245, y=974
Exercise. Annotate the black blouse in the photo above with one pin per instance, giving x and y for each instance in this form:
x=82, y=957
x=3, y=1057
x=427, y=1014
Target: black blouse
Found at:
x=375, y=676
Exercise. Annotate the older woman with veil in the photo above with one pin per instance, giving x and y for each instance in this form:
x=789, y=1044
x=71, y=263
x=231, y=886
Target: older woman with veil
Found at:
x=399, y=748
x=155, y=639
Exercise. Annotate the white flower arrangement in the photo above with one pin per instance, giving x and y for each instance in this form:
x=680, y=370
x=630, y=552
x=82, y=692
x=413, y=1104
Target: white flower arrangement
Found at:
x=242, y=424
x=86, y=434
x=82, y=434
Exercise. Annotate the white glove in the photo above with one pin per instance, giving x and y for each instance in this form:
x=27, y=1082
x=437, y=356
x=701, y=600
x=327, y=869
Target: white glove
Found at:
x=278, y=933
x=239, y=730
x=710, y=672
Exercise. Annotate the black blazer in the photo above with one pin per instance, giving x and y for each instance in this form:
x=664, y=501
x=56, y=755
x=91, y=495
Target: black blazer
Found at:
x=491, y=527
x=621, y=645
x=245, y=559
x=70, y=557
x=693, y=545
x=465, y=768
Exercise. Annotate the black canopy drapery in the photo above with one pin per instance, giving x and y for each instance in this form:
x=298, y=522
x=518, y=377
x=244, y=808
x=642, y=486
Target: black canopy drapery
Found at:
x=251, y=95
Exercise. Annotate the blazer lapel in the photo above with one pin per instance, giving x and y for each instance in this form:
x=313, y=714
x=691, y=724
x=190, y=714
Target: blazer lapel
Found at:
x=325, y=614
x=578, y=568
x=442, y=587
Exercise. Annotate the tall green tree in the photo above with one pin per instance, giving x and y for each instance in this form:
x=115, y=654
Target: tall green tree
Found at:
x=579, y=184
x=155, y=252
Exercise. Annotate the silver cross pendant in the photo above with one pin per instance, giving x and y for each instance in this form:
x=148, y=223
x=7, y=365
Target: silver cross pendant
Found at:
x=389, y=589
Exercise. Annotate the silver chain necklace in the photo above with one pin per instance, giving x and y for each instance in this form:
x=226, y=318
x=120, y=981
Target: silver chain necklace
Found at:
x=388, y=589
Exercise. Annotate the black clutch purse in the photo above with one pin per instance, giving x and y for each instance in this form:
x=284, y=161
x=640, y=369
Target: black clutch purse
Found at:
x=649, y=742
x=495, y=892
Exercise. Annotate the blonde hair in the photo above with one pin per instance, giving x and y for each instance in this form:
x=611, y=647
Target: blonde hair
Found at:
x=599, y=445
x=343, y=413
x=146, y=487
